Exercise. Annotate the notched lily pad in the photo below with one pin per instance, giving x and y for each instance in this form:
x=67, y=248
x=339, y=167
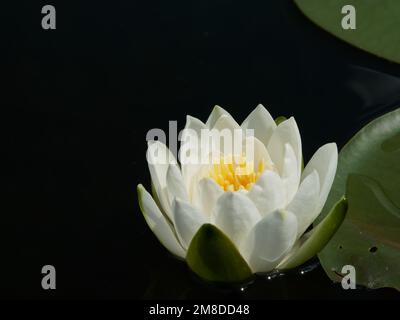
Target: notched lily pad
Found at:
x=213, y=257
x=369, y=238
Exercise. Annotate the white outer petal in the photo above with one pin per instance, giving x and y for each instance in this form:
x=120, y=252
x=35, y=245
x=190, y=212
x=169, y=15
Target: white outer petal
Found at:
x=260, y=152
x=324, y=161
x=158, y=224
x=187, y=220
x=223, y=135
x=290, y=173
x=270, y=240
x=304, y=204
x=194, y=124
x=216, y=113
x=209, y=192
x=235, y=215
x=286, y=132
x=191, y=131
x=268, y=193
x=261, y=122
x=159, y=158
x=175, y=185
x=226, y=122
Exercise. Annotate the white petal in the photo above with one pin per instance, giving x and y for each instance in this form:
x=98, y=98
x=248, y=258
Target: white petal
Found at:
x=216, y=113
x=286, y=132
x=194, y=124
x=226, y=122
x=268, y=193
x=209, y=192
x=187, y=221
x=305, y=202
x=175, y=185
x=224, y=133
x=158, y=224
x=199, y=173
x=190, y=148
x=324, y=161
x=235, y=215
x=270, y=240
x=159, y=158
x=259, y=153
x=290, y=173
x=261, y=122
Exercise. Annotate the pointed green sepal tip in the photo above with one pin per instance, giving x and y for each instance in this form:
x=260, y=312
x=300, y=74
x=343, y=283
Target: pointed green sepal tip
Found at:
x=213, y=257
x=280, y=119
x=139, y=190
x=318, y=237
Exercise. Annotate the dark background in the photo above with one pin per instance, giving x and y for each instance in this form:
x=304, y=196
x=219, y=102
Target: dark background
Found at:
x=78, y=101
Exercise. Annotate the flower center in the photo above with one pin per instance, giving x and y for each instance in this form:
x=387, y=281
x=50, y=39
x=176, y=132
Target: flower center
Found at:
x=235, y=173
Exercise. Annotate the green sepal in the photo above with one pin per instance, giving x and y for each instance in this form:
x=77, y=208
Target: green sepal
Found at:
x=213, y=257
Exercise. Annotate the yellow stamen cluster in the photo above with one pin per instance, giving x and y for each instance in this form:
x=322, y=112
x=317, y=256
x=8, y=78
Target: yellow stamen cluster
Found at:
x=235, y=174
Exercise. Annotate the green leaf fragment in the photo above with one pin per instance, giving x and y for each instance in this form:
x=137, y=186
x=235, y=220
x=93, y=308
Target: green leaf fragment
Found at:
x=376, y=23
x=213, y=257
x=280, y=119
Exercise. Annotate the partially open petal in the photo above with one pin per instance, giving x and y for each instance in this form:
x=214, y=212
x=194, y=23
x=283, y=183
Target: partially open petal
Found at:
x=324, y=161
x=304, y=204
x=286, y=132
x=226, y=122
x=268, y=193
x=261, y=122
x=270, y=240
x=194, y=124
x=187, y=221
x=235, y=215
x=209, y=192
x=257, y=155
x=175, y=185
x=224, y=133
x=199, y=173
x=158, y=224
x=190, y=148
x=290, y=173
x=216, y=113
x=159, y=158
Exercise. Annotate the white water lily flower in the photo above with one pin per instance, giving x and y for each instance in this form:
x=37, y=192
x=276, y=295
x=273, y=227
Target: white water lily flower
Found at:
x=264, y=213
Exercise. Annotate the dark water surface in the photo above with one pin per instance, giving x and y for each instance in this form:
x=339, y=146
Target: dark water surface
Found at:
x=77, y=104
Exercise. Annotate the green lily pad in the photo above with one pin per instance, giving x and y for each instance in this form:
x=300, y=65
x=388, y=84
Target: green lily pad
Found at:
x=377, y=23
x=318, y=237
x=369, y=238
x=213, y=257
